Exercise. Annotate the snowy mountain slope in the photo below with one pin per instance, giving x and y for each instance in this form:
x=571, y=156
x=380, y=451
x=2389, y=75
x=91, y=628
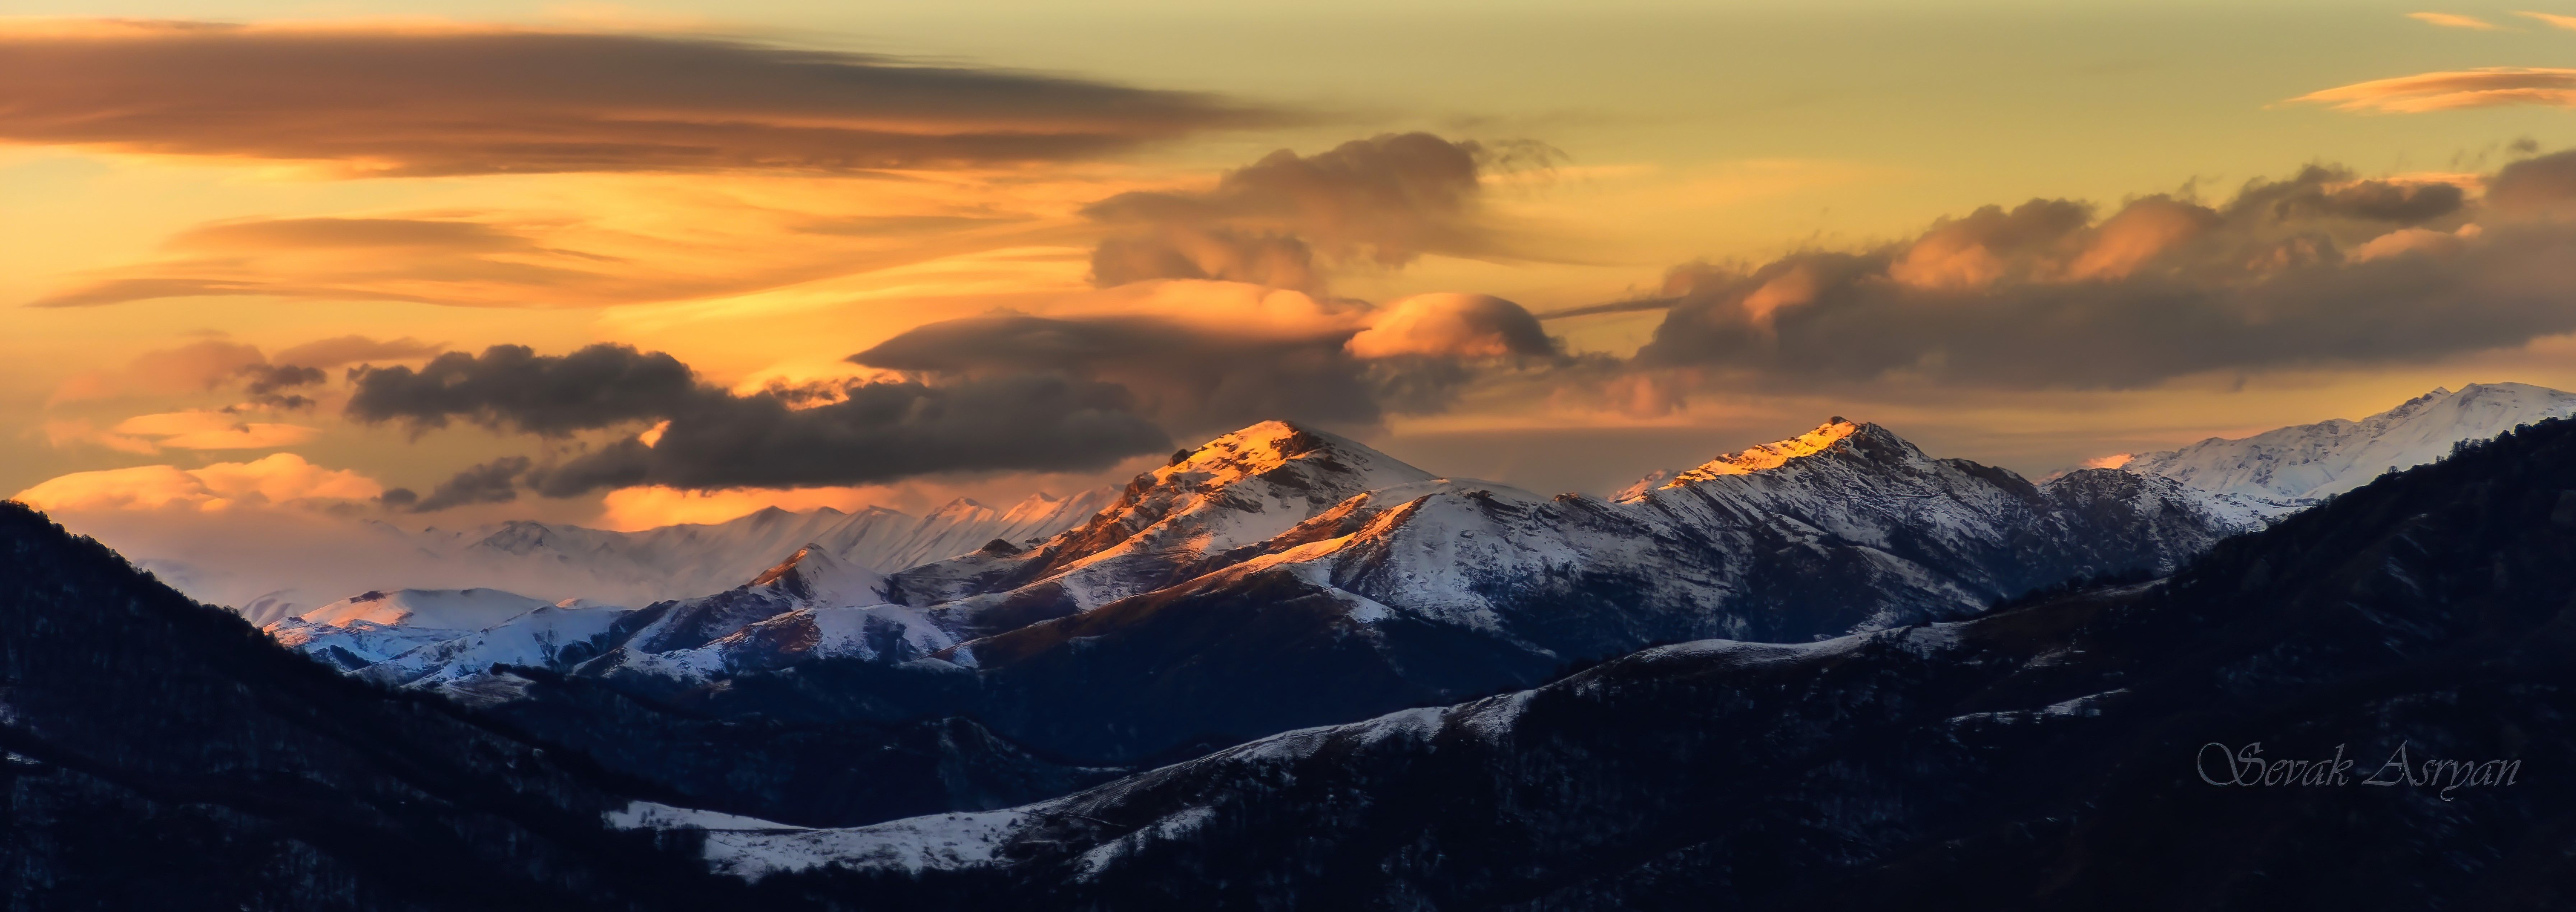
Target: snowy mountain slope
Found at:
x=371, y=627
x=2306, y=462
x=689, y=560
x=809, y=578
x=555, y=636
x=1235, y=491
x=1281, y=578
x=2036, y=757
x=1439, y=588
x=554, y=561
x=1846, y=527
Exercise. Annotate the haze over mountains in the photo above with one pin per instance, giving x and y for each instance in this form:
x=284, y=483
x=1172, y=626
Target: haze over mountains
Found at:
x=555, y=560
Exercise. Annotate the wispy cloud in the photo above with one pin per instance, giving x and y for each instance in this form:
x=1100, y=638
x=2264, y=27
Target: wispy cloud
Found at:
x=2550, y=19
x=2486, y=87
x=410, y=100
x=2453, y=20
x=279, y=479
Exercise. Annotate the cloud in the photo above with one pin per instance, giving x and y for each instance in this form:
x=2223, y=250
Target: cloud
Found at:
x=267, y=380
x=492, y=482
x=1210, y=356
x=2320, y=269
x=197, y=367
x=877, y=432
x=2451, y=20
x=2555, y=21
x=423, y=261
x=2535, y=186
x=1118, y=375
x=2486, y=87
x=377, y=100
x=855, y=432
x=338, y=351
x=189, y=430
x=1448, y=324
x=200, y=430
x=207, y=365
x=1185, y=377
x=77, y=432
x=1382, y=201
x=511, y=386
x=651, y=507
x=279, y=479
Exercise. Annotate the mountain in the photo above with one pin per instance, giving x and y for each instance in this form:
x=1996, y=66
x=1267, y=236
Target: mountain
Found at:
x=2303, y=463
x=555, y=636
x=2356, y=708
x=1234, y=492
x=1434, y=590
x=690, y=560
x=811, y=606
x=556, y=561
x=160, y=754
x=1274, y=579
x=368, y=628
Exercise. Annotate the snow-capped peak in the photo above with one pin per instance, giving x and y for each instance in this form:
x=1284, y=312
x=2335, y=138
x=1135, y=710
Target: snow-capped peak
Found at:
x=1255, y=450
x=1240, y=489
x=2309, y=461
x=813, y=576
x=1756, y=458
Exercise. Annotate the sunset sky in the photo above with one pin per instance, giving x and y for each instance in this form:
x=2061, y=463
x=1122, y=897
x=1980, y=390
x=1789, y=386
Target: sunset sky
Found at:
x=258, y=256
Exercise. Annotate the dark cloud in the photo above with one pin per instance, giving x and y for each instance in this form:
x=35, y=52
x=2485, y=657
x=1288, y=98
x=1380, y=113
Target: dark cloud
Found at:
x=2317, y=270
x=265, y=383
x=2543, y=185
x=879, y=432
x=511, y=386
x=439, y=100
x=492, y=482
x=2320, y=192
x=703, y=437
x=1381, y=201
x=1188, y=378
x=1276, y=260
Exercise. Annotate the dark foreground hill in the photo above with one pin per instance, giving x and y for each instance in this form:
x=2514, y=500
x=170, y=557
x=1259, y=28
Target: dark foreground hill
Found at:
x=161, y=754
x=2072, y=753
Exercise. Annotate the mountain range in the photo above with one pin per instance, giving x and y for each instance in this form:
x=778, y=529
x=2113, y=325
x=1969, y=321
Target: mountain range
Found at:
x=2211, y=740
x=2299, y=465
x=2159, y=743
x=1281, y=577
x=554, y=561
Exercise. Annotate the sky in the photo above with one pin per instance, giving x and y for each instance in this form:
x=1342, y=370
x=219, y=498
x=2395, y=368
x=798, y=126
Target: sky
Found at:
x=633, y=264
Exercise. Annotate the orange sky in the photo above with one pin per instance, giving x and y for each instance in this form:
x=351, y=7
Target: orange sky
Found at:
x=220, y=211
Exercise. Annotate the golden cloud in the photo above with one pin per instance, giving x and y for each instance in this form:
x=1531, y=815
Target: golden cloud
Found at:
x=280, y=479
x=2485, y=87
x=2453, y=20
x=408, y=100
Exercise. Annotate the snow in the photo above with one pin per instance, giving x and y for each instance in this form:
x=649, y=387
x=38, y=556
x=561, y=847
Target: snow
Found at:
x=1768, y=455
x=2311, y=461
x=446, y=609
x=913, y=845
x=1177, y=825
x=537, y=638
x=647, y=815
x=1238, y=490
